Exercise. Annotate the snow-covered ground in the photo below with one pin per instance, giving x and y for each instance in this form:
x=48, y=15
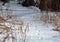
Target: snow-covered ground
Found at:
x=38, y=32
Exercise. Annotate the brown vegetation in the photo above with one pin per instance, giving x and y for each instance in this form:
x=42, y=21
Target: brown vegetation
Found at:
x=53, y=19
x=8, y=30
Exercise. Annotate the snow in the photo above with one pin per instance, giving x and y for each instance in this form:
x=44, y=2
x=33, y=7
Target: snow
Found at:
x=38, y=32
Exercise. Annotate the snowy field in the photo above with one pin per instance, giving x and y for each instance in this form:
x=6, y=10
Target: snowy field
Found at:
x=36, y=30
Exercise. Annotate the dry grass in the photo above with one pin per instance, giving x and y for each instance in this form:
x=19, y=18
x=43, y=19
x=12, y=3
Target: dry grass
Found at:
x=53, y=19
x=6, y=31
x=2, y=19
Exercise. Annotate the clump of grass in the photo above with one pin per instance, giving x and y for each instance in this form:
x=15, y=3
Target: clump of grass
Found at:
x=53, y=19
x=5, y=29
